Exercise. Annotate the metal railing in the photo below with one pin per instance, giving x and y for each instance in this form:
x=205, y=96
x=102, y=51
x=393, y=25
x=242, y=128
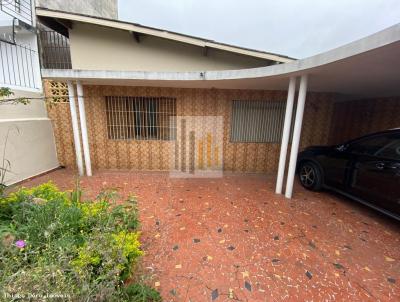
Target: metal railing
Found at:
x=55, y=50
x=20, y=9
x=18, y=65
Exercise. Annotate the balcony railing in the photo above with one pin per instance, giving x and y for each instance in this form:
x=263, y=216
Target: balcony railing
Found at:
x=55, y=51
x=19, y=9
x=18, y=65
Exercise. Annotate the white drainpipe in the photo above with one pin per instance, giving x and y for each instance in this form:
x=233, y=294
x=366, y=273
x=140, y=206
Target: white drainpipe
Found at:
x=285, y=135
x=296, y=135
x=85, y=140
x=75, y=127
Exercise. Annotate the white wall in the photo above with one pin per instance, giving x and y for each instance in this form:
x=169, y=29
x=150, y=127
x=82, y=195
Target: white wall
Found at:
x=99, y=48
x=31, y=145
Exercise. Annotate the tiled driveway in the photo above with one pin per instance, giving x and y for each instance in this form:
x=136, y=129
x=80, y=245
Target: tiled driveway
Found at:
x=231, y=238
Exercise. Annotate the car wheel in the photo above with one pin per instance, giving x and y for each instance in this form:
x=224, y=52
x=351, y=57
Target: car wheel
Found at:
x=310, y=176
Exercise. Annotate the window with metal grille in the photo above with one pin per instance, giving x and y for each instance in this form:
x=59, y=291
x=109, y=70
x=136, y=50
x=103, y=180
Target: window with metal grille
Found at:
x=257, y=121
x=141, y=118
x=55, y=49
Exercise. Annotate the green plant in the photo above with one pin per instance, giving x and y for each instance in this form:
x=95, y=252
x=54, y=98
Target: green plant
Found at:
x=6, y=94
x=141, y=292
x=52, y=242
x=7, y=98
x=5, y=164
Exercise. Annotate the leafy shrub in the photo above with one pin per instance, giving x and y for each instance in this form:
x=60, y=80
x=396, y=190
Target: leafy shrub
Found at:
x=141, y=292
x=53, y=243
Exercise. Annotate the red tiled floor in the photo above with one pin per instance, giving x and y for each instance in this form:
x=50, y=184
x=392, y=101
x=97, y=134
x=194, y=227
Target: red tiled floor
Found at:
x=233, y=238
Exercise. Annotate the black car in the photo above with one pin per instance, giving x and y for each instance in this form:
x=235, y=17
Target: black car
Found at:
x=366, y=169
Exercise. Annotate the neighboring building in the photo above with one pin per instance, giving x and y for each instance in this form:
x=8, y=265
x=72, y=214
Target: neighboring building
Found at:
x=142, y=93
x=30, y=147
x=98, y=8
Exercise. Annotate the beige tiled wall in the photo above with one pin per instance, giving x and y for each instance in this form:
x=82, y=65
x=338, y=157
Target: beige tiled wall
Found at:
x=352, y=119
x=154, y=155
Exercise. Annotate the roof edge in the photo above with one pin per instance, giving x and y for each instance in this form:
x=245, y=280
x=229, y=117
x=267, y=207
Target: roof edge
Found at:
x=388, y=36
x=157, y=32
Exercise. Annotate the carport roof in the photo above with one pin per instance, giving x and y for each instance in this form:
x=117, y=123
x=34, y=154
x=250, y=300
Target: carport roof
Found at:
x=367, y=67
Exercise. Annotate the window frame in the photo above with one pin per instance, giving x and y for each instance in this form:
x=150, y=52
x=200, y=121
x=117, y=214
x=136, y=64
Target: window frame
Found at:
x=130, y=109
x=280, y=106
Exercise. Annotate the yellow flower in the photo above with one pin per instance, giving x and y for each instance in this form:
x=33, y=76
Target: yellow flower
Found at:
x=128, y=242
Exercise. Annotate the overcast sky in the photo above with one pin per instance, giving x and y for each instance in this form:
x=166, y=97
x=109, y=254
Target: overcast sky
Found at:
x=297, y=28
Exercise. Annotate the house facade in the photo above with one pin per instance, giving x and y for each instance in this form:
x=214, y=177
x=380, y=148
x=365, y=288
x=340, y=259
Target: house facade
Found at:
x=152, y=152
x=139, y=98
x=92, y=40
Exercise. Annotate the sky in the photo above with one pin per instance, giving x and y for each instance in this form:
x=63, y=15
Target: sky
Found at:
x=296, y=28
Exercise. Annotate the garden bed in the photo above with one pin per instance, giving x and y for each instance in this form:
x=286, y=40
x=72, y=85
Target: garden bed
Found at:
x=56, y=246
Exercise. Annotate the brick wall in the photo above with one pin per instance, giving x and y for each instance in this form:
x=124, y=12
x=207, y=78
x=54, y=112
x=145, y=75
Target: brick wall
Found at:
x=154, y=155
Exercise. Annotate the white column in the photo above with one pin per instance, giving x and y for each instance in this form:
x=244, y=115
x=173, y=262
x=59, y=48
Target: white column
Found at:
x=285, y=135
x=296, y=136
x=85, y=140
x=75, y=127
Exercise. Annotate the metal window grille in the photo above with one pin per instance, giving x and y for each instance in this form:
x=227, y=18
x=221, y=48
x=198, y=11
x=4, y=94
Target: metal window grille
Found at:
x=257, y=121
x=17, y=64
x=55, y=50
x=19, y=9
x=141, y=118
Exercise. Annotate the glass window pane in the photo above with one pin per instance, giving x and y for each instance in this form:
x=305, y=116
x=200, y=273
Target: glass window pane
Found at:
x=391, y=151
x=369, y=146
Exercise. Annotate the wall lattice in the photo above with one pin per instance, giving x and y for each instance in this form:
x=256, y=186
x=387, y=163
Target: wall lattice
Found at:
x=56, y=91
